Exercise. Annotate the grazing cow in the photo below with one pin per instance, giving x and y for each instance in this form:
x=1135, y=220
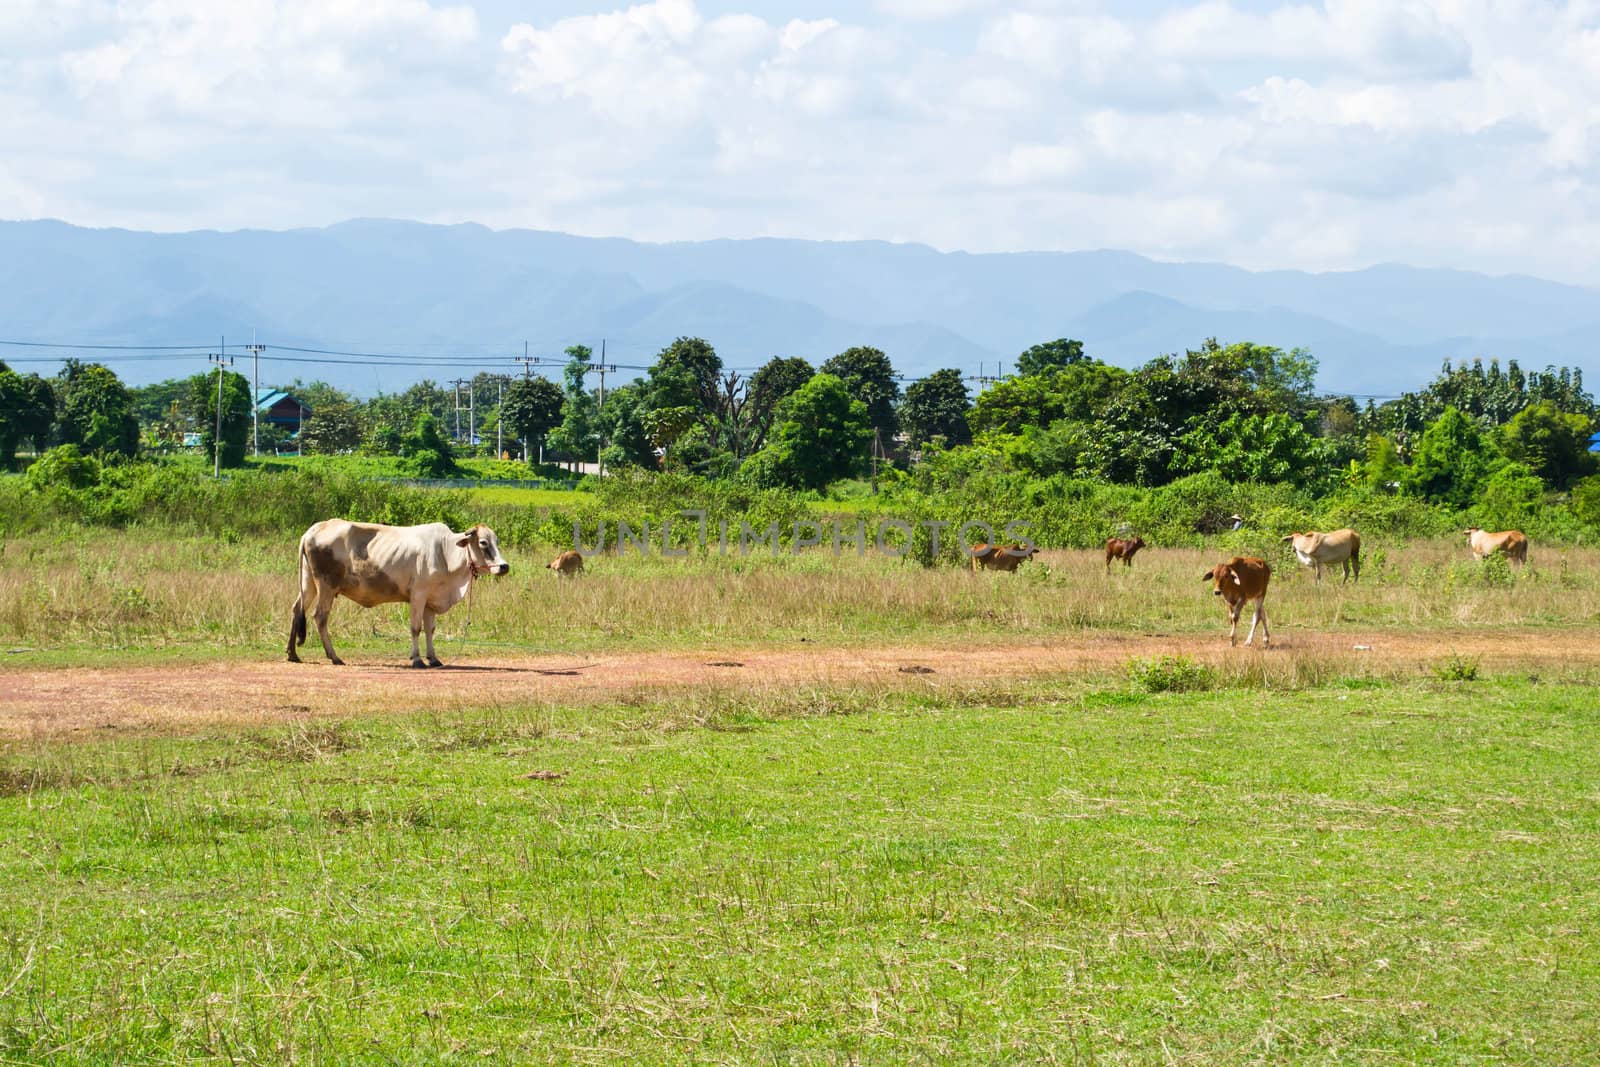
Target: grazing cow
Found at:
x=567, y=565
x=1238, y=581
x=1000, y=557
x=1117, y=548
x=428, y=567
x=1319, y=550
x=1512, y=542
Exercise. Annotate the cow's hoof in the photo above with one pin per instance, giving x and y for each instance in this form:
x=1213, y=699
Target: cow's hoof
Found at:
x=336, y=661
x=293, y=658
x=433, y=661
x=419, y=665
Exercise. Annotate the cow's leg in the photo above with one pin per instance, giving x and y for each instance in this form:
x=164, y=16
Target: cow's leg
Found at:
x=325, y=598
x=429, y=619
x=1233, y=623
x=419, y=612
x=1260, y=616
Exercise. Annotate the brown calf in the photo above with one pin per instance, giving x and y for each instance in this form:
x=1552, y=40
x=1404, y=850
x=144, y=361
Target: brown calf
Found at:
x=1000, y=557
x=1239, y=581
x=1117, y=548
x=568, y=564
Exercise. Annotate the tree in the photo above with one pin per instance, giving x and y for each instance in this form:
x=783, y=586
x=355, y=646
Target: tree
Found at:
x=1050, y=356
x=578, y=433
x=96, y=410
x=776, y=380
x=821, y=436
x=934, y=407
x=686, y=374
x=334, y=426
x=622, y=421
x=236, y=407
x=427, y=397
x=1081, y=392
x=1383, y=469
x=27, y=413
x=426, y=452
x=1551, y=443
x=1254, y=448
x=1508, y=499
x=384, y=419
x=870, y=378
x=153, y=404
x=532, y=408
x=1450, y=461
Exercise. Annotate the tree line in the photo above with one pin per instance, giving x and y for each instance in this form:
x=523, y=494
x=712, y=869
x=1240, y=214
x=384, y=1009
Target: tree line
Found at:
x=1248, y=412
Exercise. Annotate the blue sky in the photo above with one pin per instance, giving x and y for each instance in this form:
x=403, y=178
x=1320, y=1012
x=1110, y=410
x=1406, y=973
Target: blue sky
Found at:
x=1461, y=133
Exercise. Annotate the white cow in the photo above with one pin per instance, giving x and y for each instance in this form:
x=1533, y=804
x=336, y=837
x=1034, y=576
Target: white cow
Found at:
x=427, y=567
x=1319, y=550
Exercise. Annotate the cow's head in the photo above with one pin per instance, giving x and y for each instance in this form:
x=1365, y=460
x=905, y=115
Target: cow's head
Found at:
x=1136, y=544
x=1022, y=553
x=483, y=550
x=1470, y=530
x=1224, y=579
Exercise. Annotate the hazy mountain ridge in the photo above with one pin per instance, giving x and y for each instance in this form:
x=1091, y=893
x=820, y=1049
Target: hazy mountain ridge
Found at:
x=381, y=283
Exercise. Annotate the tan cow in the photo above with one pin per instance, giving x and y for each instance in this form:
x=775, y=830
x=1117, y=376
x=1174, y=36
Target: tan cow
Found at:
x=427, y=567
x=1239, y=581
x=1000, y=557
x=1512, y=542
x=1319, y=550
x=567, y=565
x=1117, y=548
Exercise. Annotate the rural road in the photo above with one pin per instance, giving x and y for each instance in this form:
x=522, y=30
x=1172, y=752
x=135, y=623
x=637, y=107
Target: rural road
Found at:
x=88, y=701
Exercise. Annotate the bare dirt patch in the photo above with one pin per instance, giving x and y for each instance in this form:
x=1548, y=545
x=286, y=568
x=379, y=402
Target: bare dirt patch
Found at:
x=89, y=701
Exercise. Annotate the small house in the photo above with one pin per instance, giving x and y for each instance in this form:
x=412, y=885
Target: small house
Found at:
x=281, y=409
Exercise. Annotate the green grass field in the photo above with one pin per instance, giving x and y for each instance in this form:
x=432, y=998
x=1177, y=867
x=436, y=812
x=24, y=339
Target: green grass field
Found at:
x=1056, y=872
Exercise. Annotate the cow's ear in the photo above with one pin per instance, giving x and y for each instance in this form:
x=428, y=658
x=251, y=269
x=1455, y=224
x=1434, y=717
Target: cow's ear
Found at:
x=466, y=539
x=1236, y=579
x=1206, y=577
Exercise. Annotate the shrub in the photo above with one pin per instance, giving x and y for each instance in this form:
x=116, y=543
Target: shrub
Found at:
x=1456, y=668
x=63, y=467
x=1170, y=674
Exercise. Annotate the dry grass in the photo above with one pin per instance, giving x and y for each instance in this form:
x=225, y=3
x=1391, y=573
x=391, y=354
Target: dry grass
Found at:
x=129, y=592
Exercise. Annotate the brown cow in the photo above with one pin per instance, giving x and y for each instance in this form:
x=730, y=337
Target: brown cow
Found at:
x=568, y=565
x=1512, y=542
x=1238, y=581
x=1117, y=548
x=1000, y=557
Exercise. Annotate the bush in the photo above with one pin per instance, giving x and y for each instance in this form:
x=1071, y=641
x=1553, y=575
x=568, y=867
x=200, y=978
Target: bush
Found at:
x=1456, y=668
x=1170, y=674
x=63, y=467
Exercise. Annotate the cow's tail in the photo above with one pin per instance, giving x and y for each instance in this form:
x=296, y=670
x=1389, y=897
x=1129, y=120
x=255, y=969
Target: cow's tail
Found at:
x=297, y=629
x=1355, y=555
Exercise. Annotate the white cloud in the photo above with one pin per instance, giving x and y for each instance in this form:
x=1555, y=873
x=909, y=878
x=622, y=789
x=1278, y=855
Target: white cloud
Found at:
x=1270, y=133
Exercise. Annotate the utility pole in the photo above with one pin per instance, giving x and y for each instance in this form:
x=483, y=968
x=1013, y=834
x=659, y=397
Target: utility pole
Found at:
x=602, y=367
x=984, y=379
x=221, y=361
x=456, y=385
x=472, y=413
x=500, y=381
x=255, y=351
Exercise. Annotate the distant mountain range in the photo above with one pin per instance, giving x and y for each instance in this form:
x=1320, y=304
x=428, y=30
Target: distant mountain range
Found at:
x=438, y=292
